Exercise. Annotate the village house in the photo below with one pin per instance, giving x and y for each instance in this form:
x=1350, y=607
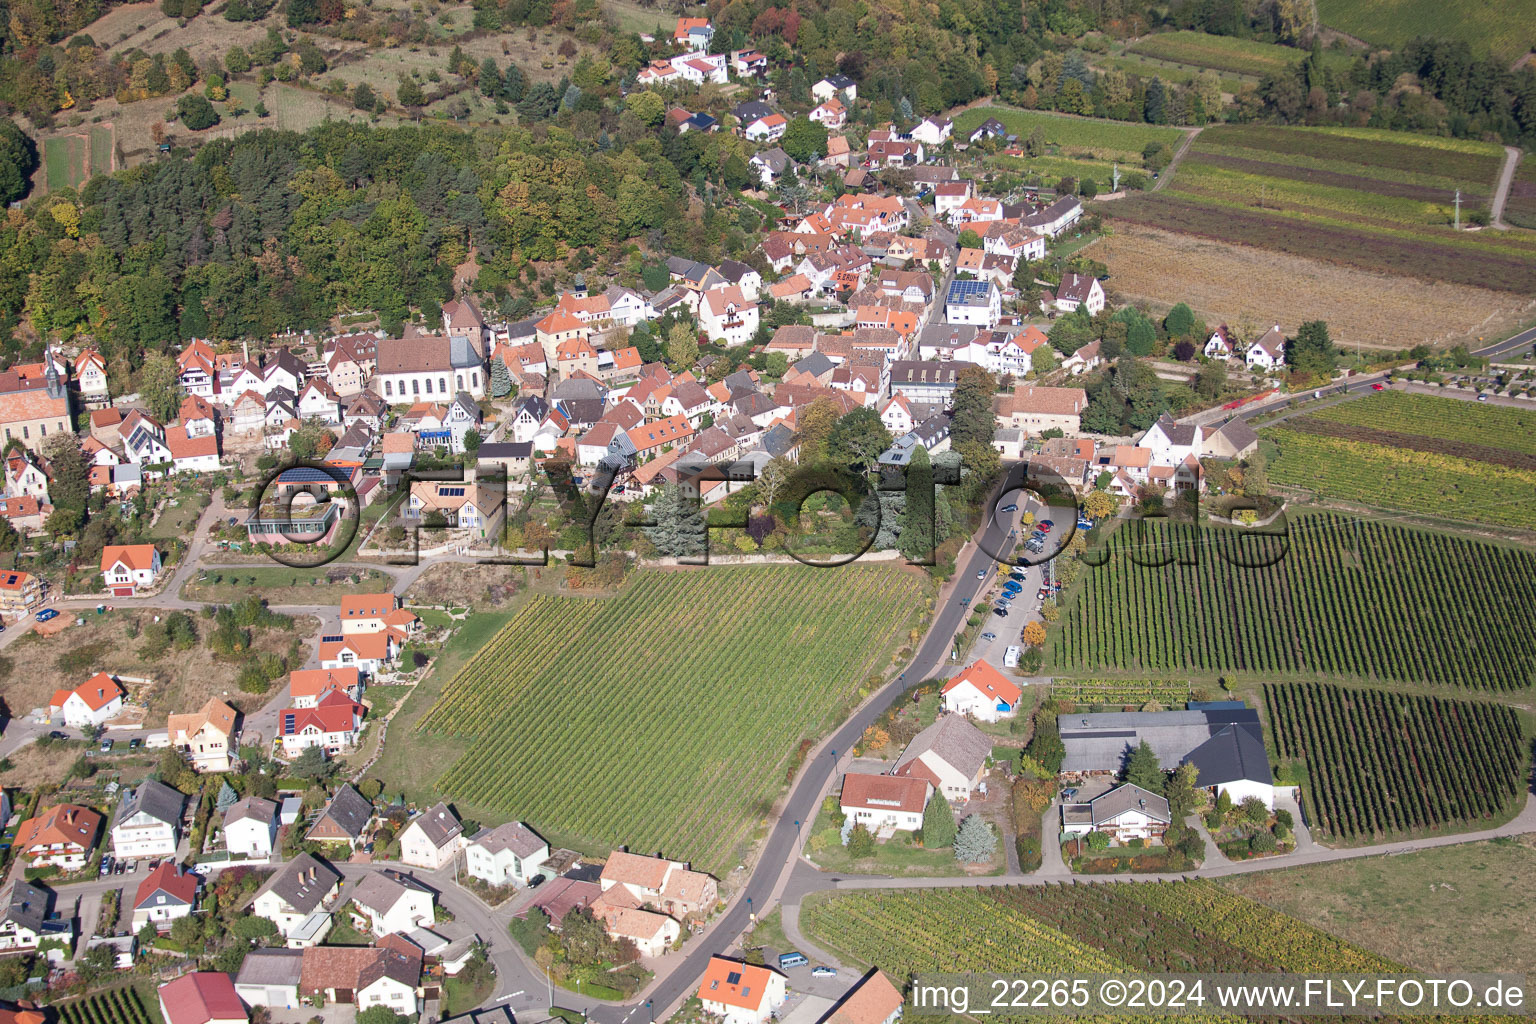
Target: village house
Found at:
x=428, y=366
x=933, y=131
x=432, y=838
x=1079, y=291
x=1268, y=352
x=1124, y=813
x=166, y=894
x=472, y=506
x=726, y=314
x=250, y=827
x=148, y=822
x=62, y=836
x=205, y=736
x=874, y=1000
x=1221, y=344
x=885, y=804
x=1038, y=409
x=335, y=721
x=20, y=593
x=973, y=302
x=31, y=409
x=741, y=993
x=666, y=884
x=366, y=976
x=91, y=377
x=307, y=686
x=269, y=976
x=509, y=854
x=981, y=692
x=202, y=997
x=344, y=820
x=951, y=754
x=376, y=613
x=24, y=918
x=92, y=704
x=297, y=899
x=128, y=568
x=390, y=901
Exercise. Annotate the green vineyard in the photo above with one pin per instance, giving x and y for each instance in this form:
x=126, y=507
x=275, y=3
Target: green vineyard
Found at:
x=664, y=718
x=1121, y=691
x=1382, y=762
x=116, y=1006
x=1159, y=926
x=1498, y=426
x=1352, y=598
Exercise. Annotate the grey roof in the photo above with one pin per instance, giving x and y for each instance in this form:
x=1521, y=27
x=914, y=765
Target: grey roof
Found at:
x=1233, y=754
x=537, y=407
x=932, y=430
x=253, y=807
x=752, y=403
x=438, y=824
x=1128, y=797
x=303, y=882
x=751, y=110
x=778, y=440
x=380, y=890
x=505, y=450
x=153, y=798
x=840, y=81
x=959, y=743
x=924, y=372
x=1103, y=741
x=740, y=380
x=582, y=412
x=688, y=270
x=349, y=811
x=577, y=387
x=777, y=161
x=946, y=335
x=1050, y=213
x=526, y=328
x=1182, y=434
x=815, y=364
x=514, y=836
x=734, y=270
x=272, y=966
x=1237, y=433
x=26, y=905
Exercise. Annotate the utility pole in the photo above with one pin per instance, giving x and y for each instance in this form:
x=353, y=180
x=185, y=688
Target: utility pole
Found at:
x=1458, y=209
x=1115, y=177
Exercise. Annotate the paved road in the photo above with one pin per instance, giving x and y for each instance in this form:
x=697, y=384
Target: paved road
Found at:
x=1501, y=192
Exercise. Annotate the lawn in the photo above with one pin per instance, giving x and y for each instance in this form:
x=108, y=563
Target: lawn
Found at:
x=1455, y=908
x=633, y=17
x=1105, y=140
x=718, y=673
x=284, y=586
x=1381, y=201
x=901, y=856
x=1144, y=927
x=1226, y=53
x=1147, y=67
x=1337, y=598
x=1506, y=29
x=1158, y=268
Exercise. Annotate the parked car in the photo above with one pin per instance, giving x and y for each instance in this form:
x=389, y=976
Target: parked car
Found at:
x=135, y=743
x=1017, y=577
x=1045, y=525
x=106, y=746
x=989, y=635
x=823, y=972
x=46, y=614
x=1482, y=398
x=1068, y=794
x=56, y=735
x=1378, y=387
x=106, y=866
x=788, y=960
x=1009, y=508
x=1000, y=611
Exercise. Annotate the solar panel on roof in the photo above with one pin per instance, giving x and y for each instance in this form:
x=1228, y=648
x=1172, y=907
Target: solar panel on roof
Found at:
x=734, y=978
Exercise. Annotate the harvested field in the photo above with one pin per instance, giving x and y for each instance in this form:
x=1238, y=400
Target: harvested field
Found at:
x=1160, y=268
x=1413, y=442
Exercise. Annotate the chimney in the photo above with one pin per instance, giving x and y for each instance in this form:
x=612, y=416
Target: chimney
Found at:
x=245, y=352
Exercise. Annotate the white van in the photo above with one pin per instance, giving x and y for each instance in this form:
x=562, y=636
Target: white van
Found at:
x=1011, y=658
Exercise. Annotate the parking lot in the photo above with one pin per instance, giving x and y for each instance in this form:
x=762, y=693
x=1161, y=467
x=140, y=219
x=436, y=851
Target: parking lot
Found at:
x=1024, y=582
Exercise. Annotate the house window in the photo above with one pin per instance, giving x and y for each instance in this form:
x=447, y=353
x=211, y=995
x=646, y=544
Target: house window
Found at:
x=429, y=385
x=26, y=432
x=474, y=380
x=416, y=387
x=460, y=380
x=442, y=385
x=42, y=429
x=387, y=391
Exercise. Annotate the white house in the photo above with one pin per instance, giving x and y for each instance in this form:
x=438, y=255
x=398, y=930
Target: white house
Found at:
x=432, y=838
x=1080, y=291
x=836, y=85
x=167, y=893
x=1172, y=442
x=1268, y=352
x=726, y=314
x=250, y=828
x=1220, y=344
x=297, y=898
x=317, y=401
x=125, y=568
x=973, y=302
x=434, y=367
x=332, y=724
x=389, y=901
x=270, y=977
x=509, y=854
x=885, y=803
x=981, y=692
x=741, y=993
x=367, y=652
x=1125, y=812
x=94, y=702
x=951, y=754
x=91, y=376
x=933, y=131
x=148, y=822
x=24, y=922
x=768, y=128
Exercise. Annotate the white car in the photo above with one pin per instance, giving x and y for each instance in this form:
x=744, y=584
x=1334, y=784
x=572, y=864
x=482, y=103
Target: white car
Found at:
x=981, y=574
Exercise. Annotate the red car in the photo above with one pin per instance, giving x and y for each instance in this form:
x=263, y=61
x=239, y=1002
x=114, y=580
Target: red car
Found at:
x=1378, y=387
